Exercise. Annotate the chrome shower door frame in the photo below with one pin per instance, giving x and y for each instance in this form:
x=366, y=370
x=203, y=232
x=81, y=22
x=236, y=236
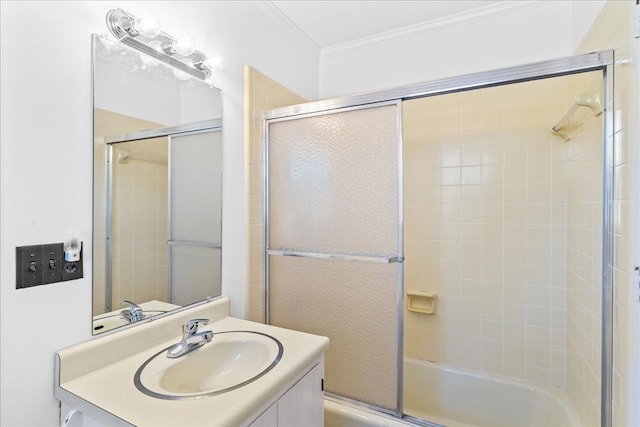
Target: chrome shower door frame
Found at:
x=602, y=61
x=214, y=125
x=398, y=258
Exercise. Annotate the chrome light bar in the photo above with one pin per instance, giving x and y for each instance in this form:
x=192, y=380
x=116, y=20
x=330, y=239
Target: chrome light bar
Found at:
x=161, y=46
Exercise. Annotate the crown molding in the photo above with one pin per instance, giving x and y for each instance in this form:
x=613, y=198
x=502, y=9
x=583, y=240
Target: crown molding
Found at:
x=451, y=21
x=283, y=20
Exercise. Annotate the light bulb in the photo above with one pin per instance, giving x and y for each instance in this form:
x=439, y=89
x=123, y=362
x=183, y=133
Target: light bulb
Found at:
x=180, y=75
x=110, y=45
x=157, y=45
x=215, y=63
x=148, y=26
x=148, y=61
x=185, y=45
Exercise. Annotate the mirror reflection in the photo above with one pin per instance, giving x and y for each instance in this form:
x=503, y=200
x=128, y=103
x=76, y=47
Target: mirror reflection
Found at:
x=157, y=187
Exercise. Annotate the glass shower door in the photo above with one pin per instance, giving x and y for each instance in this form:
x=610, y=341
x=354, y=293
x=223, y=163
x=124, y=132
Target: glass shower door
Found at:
x=333, y=243
x=195, y=216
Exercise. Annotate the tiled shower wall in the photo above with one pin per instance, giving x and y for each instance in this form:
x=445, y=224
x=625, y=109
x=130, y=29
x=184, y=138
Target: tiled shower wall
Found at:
x=613, y=30
x=584, y=256
x=486, y=230
x=260, y=94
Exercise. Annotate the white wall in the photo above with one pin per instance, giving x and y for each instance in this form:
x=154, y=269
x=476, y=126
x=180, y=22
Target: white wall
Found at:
x=583, y=15
x=46, y=161
x=513, y=33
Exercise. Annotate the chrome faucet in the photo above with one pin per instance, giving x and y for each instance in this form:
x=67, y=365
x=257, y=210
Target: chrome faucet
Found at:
x=134, y=313
x=191, y=338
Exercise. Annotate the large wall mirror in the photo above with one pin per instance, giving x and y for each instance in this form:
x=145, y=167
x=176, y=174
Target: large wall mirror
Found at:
x=157, y=187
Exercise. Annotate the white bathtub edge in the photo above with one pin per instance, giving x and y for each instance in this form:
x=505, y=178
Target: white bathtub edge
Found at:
x=358, y=416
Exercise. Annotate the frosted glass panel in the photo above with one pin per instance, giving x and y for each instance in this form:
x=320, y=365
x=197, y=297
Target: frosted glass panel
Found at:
x=196, y=209
x=354, y=304
x=333, y=183
x=195, y=273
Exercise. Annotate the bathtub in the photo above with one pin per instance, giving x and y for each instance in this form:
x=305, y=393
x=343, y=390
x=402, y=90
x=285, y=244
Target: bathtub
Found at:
x=455, y=398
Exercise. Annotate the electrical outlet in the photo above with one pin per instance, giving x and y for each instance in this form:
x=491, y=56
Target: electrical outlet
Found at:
x=28, y=266
x=72, y=270
x=51, y=263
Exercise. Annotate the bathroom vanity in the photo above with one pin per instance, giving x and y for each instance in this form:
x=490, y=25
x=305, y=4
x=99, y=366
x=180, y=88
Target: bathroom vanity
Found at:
x=99, y=382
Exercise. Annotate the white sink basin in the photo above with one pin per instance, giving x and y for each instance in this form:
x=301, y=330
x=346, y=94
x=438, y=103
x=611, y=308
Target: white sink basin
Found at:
x=231, y=360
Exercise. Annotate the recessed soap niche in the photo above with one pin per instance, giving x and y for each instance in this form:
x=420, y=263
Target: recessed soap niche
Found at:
x=421, y=301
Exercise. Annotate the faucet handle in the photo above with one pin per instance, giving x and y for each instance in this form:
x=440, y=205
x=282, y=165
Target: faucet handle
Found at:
x=132, y=306
x=191, y=327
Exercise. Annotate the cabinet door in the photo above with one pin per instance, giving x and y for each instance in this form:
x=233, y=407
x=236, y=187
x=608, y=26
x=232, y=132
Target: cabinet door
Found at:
x=303, y=404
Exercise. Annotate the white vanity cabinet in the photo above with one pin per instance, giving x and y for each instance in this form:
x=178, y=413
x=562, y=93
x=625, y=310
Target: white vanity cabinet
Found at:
x=94, y=381
x=301, y=405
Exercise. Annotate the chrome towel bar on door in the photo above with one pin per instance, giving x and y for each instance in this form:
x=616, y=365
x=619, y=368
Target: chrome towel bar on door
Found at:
x=194, y=243
x=339, y=257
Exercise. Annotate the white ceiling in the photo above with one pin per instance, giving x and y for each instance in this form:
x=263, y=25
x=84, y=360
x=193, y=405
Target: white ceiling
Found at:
x=332, y=22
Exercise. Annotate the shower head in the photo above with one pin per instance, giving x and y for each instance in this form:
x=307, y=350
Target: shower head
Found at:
x=123, y=156
x=590, y=100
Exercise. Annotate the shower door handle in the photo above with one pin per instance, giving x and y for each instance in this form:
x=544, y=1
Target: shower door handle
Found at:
x=194, y=243
x=338, y=257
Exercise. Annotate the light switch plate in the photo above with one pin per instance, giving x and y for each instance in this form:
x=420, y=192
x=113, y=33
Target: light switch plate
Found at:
x=28, y=266
x=51, y=263
x=44, y=264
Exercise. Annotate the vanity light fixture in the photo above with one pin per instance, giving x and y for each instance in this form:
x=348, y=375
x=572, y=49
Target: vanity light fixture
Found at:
x=146, y=36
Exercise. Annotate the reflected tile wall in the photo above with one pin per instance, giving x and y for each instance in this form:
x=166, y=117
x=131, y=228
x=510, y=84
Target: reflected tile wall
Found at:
x=139, y=241
x=140, y=230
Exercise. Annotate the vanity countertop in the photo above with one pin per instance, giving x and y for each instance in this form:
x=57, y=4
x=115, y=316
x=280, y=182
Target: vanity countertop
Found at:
x=99, y=373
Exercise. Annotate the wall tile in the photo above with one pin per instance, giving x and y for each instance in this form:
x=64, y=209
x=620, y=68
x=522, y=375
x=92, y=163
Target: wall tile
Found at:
x=509, y=217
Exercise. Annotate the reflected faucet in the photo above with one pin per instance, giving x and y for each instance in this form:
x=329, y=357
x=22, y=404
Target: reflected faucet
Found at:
x=132, y=314
x=191, y=338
